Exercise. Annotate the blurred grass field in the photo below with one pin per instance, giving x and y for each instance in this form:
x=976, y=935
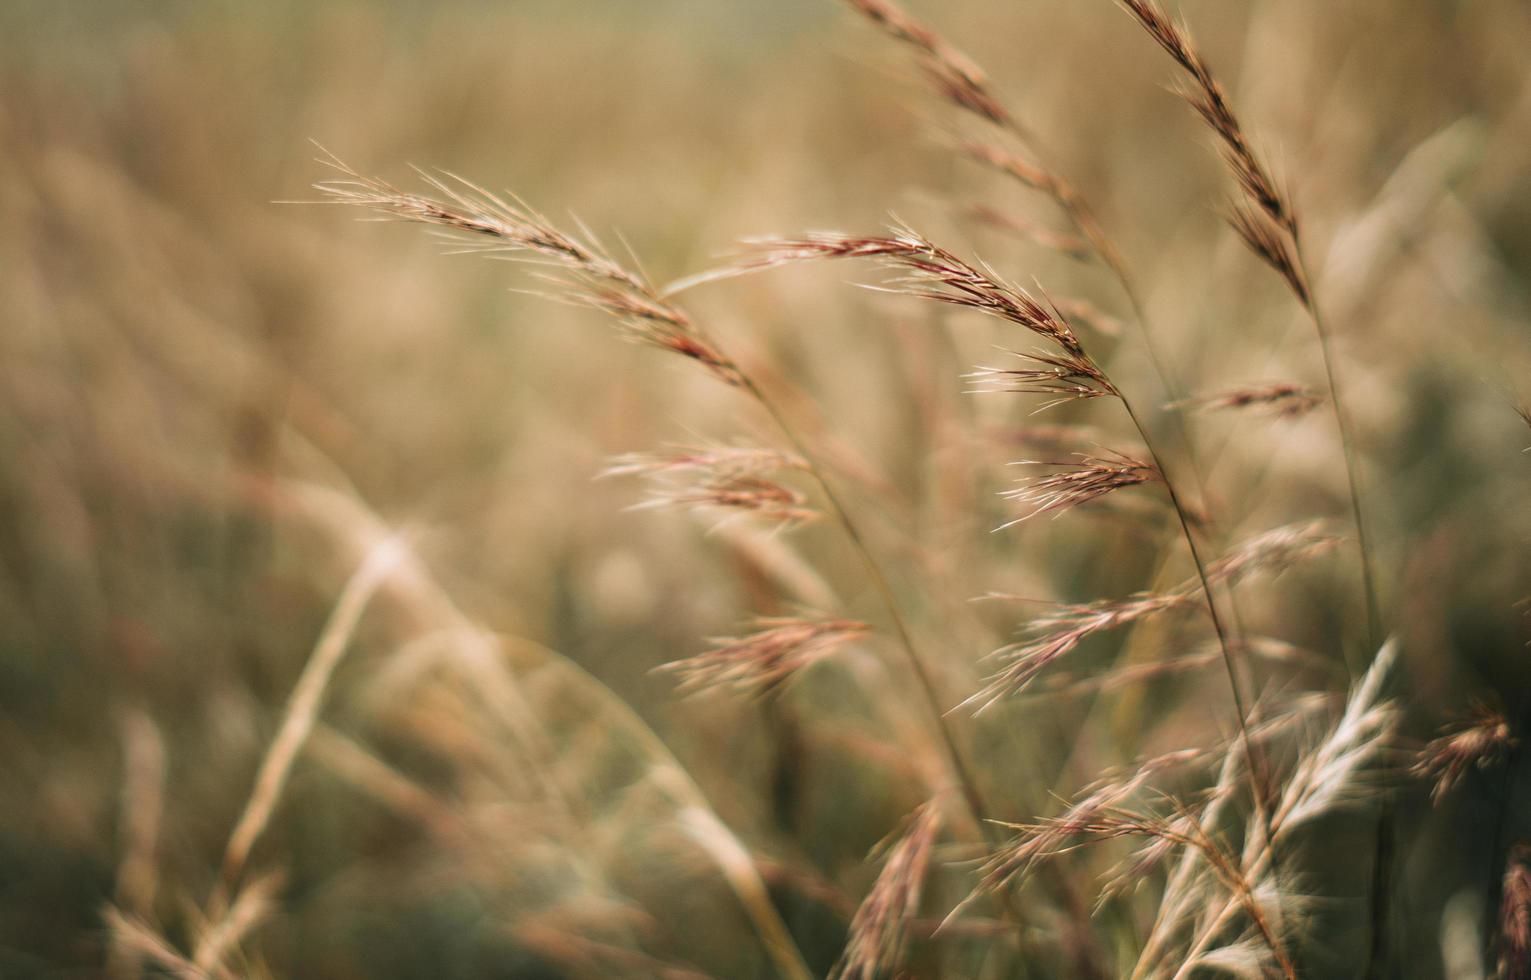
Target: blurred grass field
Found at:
x=215, y=405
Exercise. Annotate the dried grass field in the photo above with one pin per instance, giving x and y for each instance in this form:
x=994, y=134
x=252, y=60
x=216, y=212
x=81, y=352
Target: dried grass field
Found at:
x=702, y=488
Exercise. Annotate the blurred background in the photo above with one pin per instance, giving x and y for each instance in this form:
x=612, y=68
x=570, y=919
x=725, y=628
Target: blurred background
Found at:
x=212, y=405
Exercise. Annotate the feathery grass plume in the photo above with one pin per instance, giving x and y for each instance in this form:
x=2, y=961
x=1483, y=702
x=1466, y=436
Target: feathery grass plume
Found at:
x=1011, y=164
x=1059, y=633
x=1182, y=830
x=1284, y=399
x=1079, y=483
x=879, y=931
x=1337, y=773
x=1515, y=916
x=1480, y=741
x=484, y=222
x=1187, y=889
x=767, y=658
x=1524, y=411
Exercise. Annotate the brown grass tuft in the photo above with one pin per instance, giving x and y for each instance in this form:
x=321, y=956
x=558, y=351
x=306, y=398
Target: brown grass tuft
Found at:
x=879, y=930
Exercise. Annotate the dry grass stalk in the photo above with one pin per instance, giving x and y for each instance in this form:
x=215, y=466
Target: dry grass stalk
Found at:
x=1476, y=743
x=1284, y=399
x=1515, y=916
x=585, y=956
x=879, y=931
x=486, y=222
x=768, y=658
x=303, y=706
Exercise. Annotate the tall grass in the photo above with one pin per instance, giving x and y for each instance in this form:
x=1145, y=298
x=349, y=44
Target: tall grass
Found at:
x=366, y=617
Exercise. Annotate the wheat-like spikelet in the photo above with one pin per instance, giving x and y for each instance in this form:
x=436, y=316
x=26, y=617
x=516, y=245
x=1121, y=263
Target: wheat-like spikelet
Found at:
x=879, y=931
